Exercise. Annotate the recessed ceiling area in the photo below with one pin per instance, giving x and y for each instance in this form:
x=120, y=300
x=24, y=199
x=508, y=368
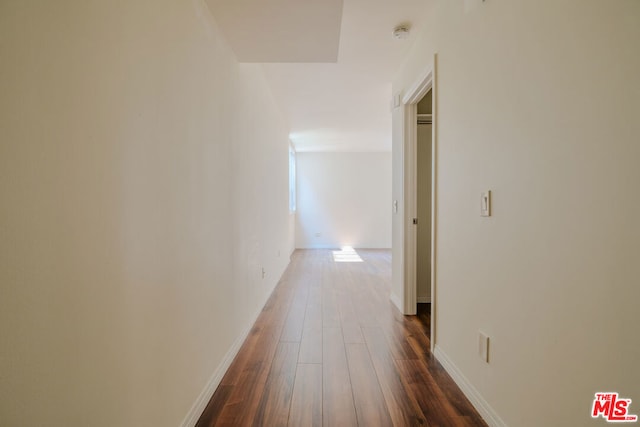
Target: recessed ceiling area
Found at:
x=339, y=104
x=280, y=30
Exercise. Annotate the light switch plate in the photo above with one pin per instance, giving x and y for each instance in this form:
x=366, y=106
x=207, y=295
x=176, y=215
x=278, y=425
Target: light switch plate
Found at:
x=485, y=203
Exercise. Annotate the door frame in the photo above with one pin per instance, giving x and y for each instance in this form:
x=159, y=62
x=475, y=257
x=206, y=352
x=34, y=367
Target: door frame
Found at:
x=423, y=83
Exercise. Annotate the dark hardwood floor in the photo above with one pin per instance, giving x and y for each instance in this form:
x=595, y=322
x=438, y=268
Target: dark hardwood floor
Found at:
x=330, y=349
x=424, y=316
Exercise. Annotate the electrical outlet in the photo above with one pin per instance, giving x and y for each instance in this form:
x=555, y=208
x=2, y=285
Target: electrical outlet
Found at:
x=318, y=234
x=483, y=346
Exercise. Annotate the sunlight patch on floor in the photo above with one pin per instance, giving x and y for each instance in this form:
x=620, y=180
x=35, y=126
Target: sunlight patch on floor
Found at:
x=346, y=254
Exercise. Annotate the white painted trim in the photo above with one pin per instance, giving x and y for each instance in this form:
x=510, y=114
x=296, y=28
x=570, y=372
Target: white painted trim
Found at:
x=420, y=88
x=205, y=396
x=395, y=299
x=423, y=300
x=203, y=399
x=434, y=201
x=490, y=416
x=410, y=207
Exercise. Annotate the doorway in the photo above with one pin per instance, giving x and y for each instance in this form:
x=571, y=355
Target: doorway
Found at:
x=424, y=173
x=415, y=94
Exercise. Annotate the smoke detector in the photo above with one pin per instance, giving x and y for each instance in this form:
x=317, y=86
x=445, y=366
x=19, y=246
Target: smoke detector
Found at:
x=401, y=32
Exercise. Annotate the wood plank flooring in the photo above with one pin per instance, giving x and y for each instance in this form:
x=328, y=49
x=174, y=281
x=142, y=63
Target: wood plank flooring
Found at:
x=330, y=349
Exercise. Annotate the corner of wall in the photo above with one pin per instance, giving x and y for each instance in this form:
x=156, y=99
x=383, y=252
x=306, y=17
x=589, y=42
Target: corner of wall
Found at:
x=397, y=301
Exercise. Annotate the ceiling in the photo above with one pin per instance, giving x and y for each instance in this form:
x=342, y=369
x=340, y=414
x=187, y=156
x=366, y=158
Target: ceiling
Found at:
x=329, y=63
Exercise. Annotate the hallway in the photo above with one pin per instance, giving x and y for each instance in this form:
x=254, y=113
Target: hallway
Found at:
x=330, y=349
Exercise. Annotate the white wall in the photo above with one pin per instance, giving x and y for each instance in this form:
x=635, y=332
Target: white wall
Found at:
x=137, y=208
x=346, y=197
x=537, y=101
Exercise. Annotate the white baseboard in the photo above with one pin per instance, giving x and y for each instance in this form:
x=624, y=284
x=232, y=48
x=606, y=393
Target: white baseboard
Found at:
x=422, y=300
x=205, y=396
x=482, y=406
x=396, y=301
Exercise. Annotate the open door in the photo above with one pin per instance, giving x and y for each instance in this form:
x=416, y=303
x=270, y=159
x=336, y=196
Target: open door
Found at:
x=424, y=203
x=424, y=85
